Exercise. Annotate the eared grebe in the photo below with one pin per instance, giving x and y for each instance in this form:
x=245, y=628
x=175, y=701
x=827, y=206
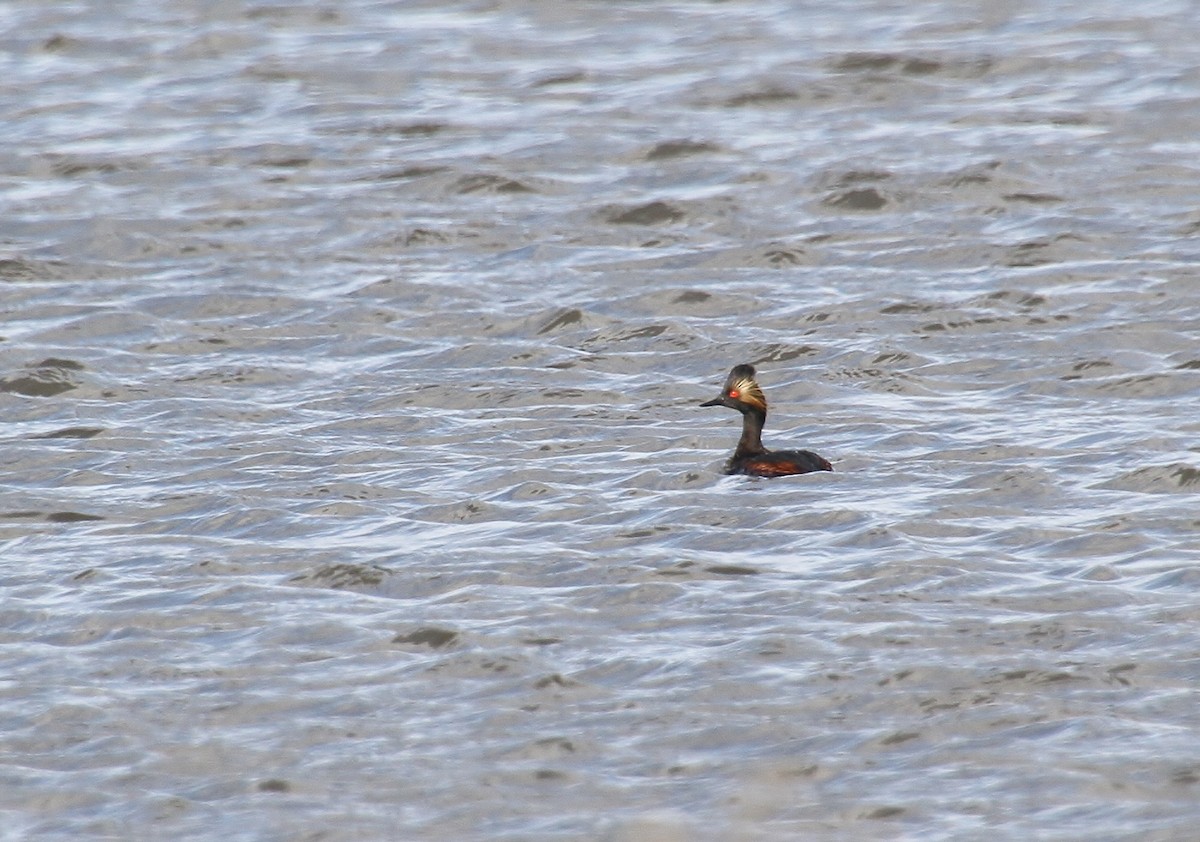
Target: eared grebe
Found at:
x=742, y=392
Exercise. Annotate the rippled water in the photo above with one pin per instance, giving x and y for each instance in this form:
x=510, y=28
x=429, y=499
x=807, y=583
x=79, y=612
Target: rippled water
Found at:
x=355, y=481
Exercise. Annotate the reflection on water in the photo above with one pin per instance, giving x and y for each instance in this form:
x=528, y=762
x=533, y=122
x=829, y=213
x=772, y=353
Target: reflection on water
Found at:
x=356, y=484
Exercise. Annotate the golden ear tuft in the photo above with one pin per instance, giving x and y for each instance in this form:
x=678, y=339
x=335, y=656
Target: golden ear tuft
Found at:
x=748, y=391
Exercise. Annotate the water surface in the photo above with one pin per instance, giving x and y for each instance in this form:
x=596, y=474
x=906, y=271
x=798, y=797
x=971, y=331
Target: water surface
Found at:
x=356, y=485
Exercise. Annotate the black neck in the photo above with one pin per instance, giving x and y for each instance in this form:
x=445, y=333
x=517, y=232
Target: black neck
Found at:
x=752, y=424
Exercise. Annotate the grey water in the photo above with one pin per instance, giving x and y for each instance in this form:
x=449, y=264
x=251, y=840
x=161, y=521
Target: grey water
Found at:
x=355, y=484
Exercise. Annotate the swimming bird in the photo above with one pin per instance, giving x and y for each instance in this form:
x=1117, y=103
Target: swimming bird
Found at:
x=742, y=392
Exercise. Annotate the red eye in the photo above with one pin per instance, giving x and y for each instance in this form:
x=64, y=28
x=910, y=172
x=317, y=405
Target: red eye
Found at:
x=733, y=393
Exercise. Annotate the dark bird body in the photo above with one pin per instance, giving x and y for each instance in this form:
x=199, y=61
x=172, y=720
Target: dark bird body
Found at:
x=742, y=392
